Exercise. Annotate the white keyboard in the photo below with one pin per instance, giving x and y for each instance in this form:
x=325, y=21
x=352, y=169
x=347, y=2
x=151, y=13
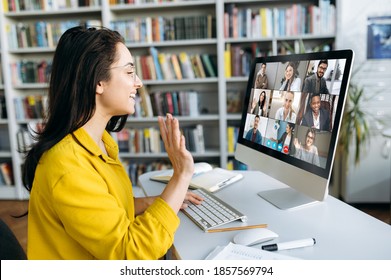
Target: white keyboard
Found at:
x=212, y=212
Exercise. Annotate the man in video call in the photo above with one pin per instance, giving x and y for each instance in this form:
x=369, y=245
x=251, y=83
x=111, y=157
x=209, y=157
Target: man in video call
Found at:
x=253, y=134
x=317, y=83
x=261, y=80
x=317, y=117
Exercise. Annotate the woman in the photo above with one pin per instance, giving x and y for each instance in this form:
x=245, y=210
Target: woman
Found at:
x=258, y=107
x=307, y=152
x=286, y=112
x=286, y=138
x=81, y=204
x=291, y=81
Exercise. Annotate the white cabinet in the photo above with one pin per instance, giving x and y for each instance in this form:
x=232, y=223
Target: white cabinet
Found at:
x=370, y=180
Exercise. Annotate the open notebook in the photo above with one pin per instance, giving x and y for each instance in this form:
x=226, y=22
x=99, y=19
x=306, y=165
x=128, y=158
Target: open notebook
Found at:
x=205, y=176
x=240, y=252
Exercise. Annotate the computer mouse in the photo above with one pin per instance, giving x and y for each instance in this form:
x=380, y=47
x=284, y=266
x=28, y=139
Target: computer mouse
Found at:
x=254, y=236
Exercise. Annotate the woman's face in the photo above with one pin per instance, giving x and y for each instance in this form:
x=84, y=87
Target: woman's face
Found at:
x=288, y=72
x=288, y=129
x=119, y=93
x=309, y=139
x=288, y=100
x=261, y=96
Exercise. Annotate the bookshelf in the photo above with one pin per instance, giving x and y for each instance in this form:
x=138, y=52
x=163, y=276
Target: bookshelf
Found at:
x=173, y=29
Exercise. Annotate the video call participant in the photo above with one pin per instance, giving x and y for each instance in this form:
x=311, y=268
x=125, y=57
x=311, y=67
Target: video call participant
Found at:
x=258, y=107
x=316, y=116
x=254, y=135
x=286, y=112
x=261, y=81
x=316, y=83
x=81, y=201
x=291, y=80
x=307, y=151
x=287, y=138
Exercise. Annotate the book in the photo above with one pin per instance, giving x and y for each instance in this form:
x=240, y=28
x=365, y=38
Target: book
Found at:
x=205, y=176
x=177, y=67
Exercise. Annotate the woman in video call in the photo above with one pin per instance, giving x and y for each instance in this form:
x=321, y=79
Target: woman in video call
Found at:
x=286, y=112
x=307, y=152
x=287, y=137
x=81, y=201
x=258, y=107
x=291, y=81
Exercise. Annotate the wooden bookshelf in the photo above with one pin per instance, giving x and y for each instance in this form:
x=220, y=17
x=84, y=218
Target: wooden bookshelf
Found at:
x=160, y=36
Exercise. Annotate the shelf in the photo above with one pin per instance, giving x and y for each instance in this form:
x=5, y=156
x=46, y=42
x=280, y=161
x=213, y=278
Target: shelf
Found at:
x=63, y=12
x=36, y=50
x=124, y=8
x=178, y=43
x=212, y=96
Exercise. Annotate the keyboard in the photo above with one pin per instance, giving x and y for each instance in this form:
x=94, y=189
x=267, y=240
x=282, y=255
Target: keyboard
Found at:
x=212, y=212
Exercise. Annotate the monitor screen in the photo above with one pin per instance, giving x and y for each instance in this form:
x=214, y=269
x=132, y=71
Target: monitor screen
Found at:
x=291, y=118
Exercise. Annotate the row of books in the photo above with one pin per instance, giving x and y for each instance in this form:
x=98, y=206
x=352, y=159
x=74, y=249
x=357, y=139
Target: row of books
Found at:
x=148, y=140
x=238, y=58
x=41, y=34
x=134, y=170
x=157, y=29
x=27, y=133
x=6, y=174
x=46, y=5
x=172, y=66
x=266, y=22
x=119, y=2
x=159, y=103
x=30, y=107
x=155, y=66
x=29, y=71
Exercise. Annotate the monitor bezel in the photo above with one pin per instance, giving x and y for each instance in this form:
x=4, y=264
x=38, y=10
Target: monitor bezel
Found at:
x=339, y=54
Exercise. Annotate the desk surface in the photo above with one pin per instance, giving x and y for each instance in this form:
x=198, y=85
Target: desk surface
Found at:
x=341, y=231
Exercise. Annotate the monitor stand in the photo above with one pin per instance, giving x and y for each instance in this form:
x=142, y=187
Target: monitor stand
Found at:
x=286, y=198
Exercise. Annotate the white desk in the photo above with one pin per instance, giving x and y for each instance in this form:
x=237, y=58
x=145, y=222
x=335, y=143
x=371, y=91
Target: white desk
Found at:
x=341, y=231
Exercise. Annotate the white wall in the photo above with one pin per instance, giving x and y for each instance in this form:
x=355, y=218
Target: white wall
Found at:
x=352, y=24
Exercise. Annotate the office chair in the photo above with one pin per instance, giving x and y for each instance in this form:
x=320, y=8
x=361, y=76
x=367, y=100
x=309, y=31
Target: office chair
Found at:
x=10, y=248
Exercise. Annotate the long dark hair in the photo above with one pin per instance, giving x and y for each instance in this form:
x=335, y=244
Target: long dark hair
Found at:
x=261, y=105
x=82, y=59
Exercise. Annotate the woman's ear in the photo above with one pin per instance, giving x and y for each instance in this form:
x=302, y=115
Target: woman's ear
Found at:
x=99, y=88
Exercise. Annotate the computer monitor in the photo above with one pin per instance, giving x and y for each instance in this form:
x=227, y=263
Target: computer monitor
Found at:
x=291, y=120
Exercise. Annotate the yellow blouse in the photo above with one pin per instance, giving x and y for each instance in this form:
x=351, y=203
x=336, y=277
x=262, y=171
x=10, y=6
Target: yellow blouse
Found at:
x=82, y=207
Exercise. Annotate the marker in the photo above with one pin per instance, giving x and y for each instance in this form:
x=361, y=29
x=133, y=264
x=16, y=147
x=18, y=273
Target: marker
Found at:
x=290, y=245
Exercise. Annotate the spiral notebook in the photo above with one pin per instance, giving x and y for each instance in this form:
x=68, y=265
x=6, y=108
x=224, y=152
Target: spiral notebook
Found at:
x=205, y=176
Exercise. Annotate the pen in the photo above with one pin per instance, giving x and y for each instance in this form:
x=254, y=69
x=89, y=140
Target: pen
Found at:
x=290, y=245
x=237, y=228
